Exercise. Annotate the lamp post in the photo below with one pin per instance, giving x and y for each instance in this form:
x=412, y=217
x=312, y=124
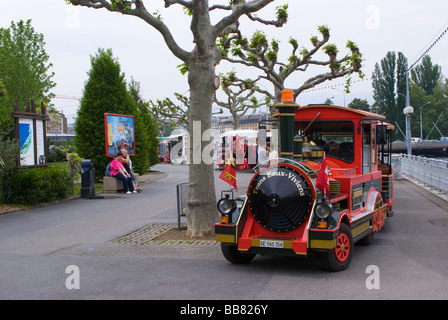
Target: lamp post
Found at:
x=408, y=111
x=343, y=92
x=421, y=126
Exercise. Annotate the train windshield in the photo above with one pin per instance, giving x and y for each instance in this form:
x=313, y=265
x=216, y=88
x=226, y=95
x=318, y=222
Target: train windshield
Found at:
x=334, y=137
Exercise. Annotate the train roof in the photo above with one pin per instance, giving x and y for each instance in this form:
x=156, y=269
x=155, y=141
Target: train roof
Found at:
x=332, y=112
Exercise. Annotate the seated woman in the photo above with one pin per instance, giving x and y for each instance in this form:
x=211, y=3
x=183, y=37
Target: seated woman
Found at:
x=117, y=170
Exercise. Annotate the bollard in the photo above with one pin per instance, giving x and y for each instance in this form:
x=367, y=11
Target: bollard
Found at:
x=87, y=179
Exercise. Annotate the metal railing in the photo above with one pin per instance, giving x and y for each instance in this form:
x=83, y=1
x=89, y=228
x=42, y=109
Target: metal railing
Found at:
x=182, y=195
x=432, y=172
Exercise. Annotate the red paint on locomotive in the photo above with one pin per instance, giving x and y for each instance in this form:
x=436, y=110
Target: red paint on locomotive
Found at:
x=284, y=213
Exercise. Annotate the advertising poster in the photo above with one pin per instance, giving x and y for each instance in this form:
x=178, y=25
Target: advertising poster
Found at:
x=119, y=133
x=26, y=137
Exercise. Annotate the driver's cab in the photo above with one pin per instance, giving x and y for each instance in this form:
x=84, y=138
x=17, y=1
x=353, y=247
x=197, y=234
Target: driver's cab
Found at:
x=349, y=138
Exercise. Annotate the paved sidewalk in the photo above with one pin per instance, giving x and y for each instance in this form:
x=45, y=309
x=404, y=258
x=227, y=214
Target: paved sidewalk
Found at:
x=100, y=237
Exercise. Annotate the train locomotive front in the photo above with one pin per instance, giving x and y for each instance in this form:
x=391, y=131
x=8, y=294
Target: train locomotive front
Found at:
x=284, y=213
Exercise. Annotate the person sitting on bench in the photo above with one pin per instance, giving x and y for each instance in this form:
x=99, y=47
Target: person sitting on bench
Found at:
x=117, y=170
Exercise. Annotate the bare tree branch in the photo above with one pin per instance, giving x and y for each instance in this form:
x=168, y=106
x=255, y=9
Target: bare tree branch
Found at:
x=186, y=4
x=137, y=8
x=259, y=53
x=239, y=9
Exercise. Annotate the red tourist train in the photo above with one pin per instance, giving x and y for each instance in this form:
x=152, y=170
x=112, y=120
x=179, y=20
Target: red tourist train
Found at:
x=288, y=210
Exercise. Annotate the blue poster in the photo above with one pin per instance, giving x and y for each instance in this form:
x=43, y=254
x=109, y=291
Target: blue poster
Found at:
x=119, y=133
x=25, y=135
x=26, y=142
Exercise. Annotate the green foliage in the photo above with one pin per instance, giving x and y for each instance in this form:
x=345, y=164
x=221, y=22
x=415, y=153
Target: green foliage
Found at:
x=9, y=155
x=183, y=68
x=426, y=75
x=2, y=89
x=324, y=30
x=258, y=40
x=29, y=186
x=147, y=143
x=121, y=5
x=263, y=54
x=58, y=152
x=74, y=164
x=330, y=49
x=34, y=186
x=24, y=69
x=282, y=13
x=389, y=78
x=360, y=104
x=433, y=109
x=105, y=92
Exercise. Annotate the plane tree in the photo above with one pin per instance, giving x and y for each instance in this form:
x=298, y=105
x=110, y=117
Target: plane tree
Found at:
x=239, y=96
x=261, y=53
x=201, y=62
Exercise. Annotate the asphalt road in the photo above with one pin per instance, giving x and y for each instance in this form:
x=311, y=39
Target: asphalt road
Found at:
x=65, y=251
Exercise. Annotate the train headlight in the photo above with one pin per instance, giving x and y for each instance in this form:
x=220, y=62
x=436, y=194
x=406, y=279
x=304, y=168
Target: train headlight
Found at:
x=323, y=210
x=226, y=207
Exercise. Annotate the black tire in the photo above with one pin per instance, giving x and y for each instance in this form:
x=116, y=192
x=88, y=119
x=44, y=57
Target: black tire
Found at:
x=339, y=258
x=232, y=254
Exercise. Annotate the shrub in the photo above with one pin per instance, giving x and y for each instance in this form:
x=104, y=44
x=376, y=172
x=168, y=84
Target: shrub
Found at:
x=34, y=186
x=58, y=152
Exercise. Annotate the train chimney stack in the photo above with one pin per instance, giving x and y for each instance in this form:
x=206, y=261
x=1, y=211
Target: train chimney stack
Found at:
x=287, y=111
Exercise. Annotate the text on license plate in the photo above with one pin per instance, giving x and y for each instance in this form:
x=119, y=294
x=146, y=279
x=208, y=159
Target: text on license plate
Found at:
x=271, y=244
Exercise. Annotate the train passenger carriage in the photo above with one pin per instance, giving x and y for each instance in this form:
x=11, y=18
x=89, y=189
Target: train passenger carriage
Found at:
x=289, y=211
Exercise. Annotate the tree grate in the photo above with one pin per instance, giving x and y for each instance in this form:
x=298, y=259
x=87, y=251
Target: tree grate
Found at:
x=148, y=235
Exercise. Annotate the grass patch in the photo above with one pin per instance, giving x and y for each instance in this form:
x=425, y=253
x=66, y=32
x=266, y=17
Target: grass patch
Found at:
x=77, y=188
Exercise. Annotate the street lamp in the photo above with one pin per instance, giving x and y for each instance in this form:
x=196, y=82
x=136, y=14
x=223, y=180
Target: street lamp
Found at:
x=421, y=126
x=408, y=111
x=343, y=92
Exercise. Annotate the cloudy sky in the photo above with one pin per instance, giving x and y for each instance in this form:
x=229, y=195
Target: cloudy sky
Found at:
x=73, y=34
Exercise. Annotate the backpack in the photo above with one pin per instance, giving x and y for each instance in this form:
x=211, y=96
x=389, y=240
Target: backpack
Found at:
x=107, y=173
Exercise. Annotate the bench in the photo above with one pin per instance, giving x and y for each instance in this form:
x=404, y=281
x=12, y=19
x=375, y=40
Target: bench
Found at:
x=113, y=185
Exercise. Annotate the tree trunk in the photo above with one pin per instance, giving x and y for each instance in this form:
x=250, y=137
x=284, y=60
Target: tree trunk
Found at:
x=236, y=120
x=202, y=212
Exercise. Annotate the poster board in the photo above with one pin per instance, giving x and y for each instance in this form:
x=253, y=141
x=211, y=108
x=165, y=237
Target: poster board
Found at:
x=119, y=131
x=30, y=131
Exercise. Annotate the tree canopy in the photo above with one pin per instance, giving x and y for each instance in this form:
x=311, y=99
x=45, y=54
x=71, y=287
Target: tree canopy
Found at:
x=427, y=89
x=106, y=91
x=24, y=69
x=200, y=64
x=263, y=54
x=426, y=75
x=389, y=87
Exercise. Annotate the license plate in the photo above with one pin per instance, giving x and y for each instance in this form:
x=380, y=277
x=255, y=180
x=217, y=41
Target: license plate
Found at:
x=271, y=244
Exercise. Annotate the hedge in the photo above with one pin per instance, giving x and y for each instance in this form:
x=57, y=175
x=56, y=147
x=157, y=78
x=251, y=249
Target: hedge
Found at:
x=34, y=186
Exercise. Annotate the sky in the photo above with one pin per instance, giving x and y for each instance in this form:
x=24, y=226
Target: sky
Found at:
x=74, y=34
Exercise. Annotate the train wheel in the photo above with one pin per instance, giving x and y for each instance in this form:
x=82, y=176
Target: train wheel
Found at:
x=232, y=254
x=339, y=258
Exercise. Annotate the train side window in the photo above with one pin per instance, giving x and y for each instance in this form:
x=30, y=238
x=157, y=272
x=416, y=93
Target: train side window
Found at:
x=367, y=149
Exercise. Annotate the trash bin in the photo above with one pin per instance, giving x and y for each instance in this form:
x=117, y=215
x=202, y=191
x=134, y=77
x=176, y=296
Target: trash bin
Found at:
x=87, y=179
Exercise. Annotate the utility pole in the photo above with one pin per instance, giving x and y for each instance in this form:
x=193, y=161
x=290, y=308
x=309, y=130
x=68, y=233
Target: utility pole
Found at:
x=408, y=110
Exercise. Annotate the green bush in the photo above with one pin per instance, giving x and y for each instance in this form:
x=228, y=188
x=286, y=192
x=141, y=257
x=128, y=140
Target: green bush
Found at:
x=58, y=152
x=34, y=186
